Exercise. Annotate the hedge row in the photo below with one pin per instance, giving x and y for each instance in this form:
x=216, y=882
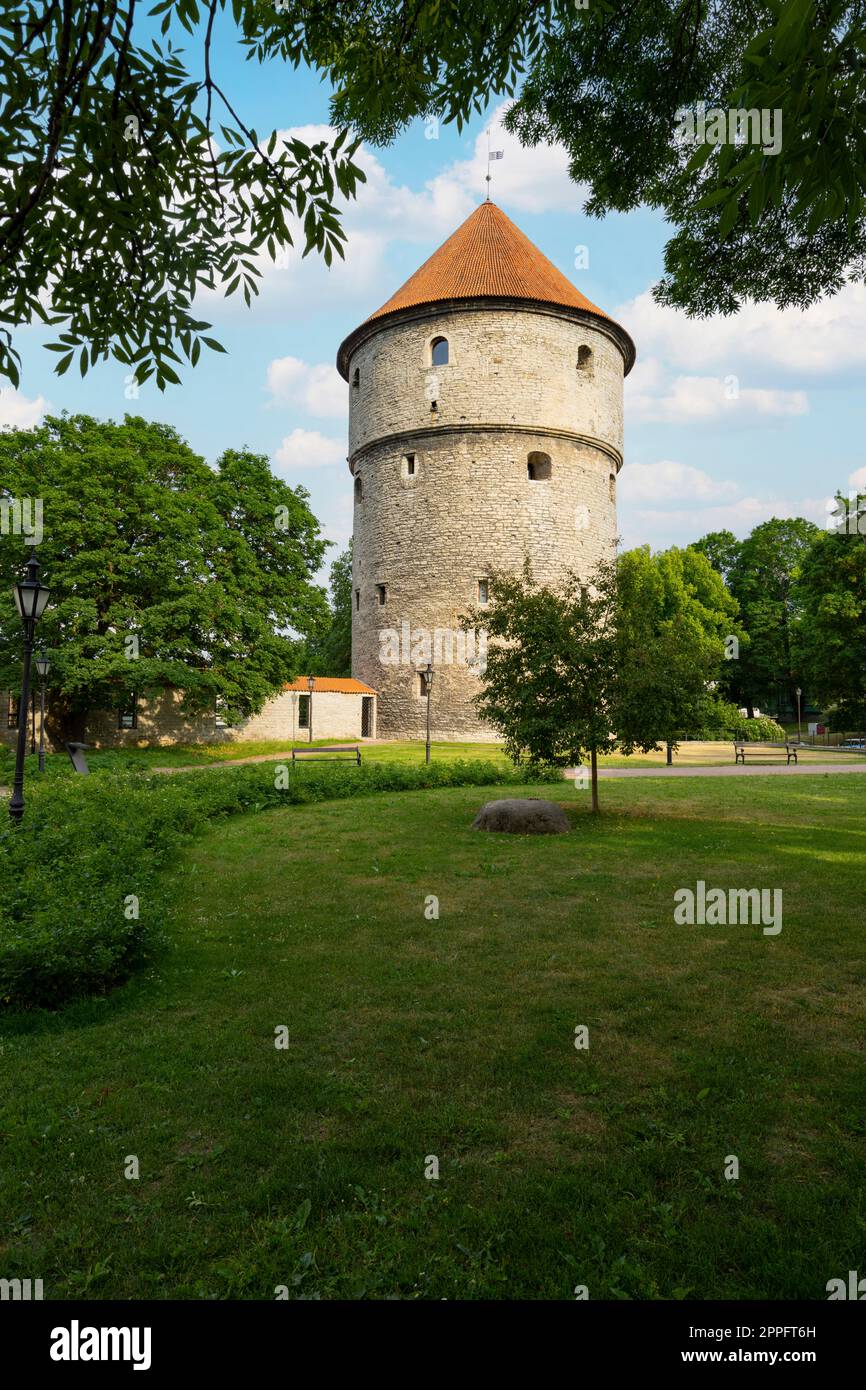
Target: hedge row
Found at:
x=88, y=845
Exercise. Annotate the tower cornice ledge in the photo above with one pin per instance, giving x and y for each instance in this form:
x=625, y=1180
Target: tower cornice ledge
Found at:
x=418, y=313
x=435, y=431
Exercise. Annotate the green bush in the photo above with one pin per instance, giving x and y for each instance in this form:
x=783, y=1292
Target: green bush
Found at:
x=87, y=845
x=725, y=721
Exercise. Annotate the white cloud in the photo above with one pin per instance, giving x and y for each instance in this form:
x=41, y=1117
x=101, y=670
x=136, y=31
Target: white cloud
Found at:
x=693, y=399
x=319, y=389
x=308, y=449
x=703, y=504
x=20, y=412
x=858, y=478
x=385, y=213
x=528, y=179
x=670, y=481
x=828, y=337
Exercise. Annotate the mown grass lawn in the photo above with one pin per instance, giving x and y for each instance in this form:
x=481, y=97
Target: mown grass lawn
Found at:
x=402, y=751
x=454, y=1038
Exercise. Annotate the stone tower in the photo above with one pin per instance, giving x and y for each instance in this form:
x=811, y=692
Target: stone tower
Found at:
x=485, y=426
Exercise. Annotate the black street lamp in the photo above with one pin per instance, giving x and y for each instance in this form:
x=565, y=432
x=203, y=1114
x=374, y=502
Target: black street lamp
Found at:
x=43, y=666
x=30, y=600
x=799, y=730
x=428, y=686
x=311, y=681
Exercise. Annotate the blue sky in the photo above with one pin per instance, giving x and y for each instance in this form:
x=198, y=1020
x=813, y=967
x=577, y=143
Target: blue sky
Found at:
x=728, y=422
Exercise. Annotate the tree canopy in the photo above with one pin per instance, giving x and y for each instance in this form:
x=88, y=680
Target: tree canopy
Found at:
x=330, y=654
x=830, y=637
x=761, y=573
x=610, y=81
x=131, y=180
x=162, y=570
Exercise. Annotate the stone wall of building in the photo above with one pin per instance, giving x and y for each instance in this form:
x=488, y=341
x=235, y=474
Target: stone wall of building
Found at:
x=425, y=536
x=161, y=723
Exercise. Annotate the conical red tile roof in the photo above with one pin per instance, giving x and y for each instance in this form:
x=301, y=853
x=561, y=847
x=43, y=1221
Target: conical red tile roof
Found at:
x=489, y=258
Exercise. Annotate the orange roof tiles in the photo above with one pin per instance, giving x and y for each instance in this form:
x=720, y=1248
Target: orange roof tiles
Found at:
x=488, y=257
x=342, y=685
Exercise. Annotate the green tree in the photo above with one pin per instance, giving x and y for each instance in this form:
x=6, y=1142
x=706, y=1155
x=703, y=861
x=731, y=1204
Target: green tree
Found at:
x=721, y=549
x=130, y=180
x=763, y=581
x=829, y=640
x=331, y=653
x=624, y=660
x=609, y=81
x=163, y=571
x=551, y=668
x=674, y=615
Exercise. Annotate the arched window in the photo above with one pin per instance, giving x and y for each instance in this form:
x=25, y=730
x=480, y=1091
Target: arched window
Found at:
x=612, y=487
x=356, y=378
x=359, y=487
x=538, y=467
x=439, y=352
x=584, y=359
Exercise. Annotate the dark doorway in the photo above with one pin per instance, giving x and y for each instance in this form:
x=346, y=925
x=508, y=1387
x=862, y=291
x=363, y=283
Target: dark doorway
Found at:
x=366, y=716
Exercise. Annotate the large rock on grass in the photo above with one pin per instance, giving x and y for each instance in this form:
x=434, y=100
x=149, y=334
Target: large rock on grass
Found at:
x=522, y=816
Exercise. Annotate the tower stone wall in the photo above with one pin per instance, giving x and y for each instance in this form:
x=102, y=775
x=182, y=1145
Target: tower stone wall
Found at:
x=444, y=494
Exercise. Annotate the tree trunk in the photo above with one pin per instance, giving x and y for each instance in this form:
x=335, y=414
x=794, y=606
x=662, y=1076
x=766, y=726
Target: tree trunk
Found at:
x=594, y=764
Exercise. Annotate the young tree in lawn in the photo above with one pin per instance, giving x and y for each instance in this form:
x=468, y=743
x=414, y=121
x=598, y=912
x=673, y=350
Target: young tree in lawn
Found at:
x=551, y=668
x=624, y=660
x=163, y=571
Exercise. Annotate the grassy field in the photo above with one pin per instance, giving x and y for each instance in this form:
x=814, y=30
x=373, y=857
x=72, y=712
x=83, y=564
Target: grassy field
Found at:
x=696, y=753
x=411, y=1038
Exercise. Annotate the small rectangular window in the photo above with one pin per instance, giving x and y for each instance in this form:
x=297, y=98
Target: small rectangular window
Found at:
x=357, y=600
x=410, y=465
x=381, y=595
x=483, y=591
x=128, y=718
x=303, y=711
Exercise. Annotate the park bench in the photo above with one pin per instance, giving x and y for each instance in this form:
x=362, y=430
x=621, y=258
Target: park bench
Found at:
x=765, y=750
x=313, y=755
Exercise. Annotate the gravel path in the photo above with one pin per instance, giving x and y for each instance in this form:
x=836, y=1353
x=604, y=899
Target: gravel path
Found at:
x=731, y=770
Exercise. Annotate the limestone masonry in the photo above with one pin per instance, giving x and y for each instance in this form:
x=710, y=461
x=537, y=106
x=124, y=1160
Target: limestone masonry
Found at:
x=485, y=426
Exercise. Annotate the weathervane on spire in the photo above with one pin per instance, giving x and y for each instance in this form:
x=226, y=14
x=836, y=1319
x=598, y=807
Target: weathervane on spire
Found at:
x=491, y=155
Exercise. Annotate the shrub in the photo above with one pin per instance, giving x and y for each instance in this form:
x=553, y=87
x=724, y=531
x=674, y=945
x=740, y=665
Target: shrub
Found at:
x=87, y=844
x=725, y=721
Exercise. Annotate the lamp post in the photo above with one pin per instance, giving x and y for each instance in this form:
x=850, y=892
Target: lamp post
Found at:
x=799, y=732
x=311, y=681
x=43, y=666
x=428, y=673
x=30, y=600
